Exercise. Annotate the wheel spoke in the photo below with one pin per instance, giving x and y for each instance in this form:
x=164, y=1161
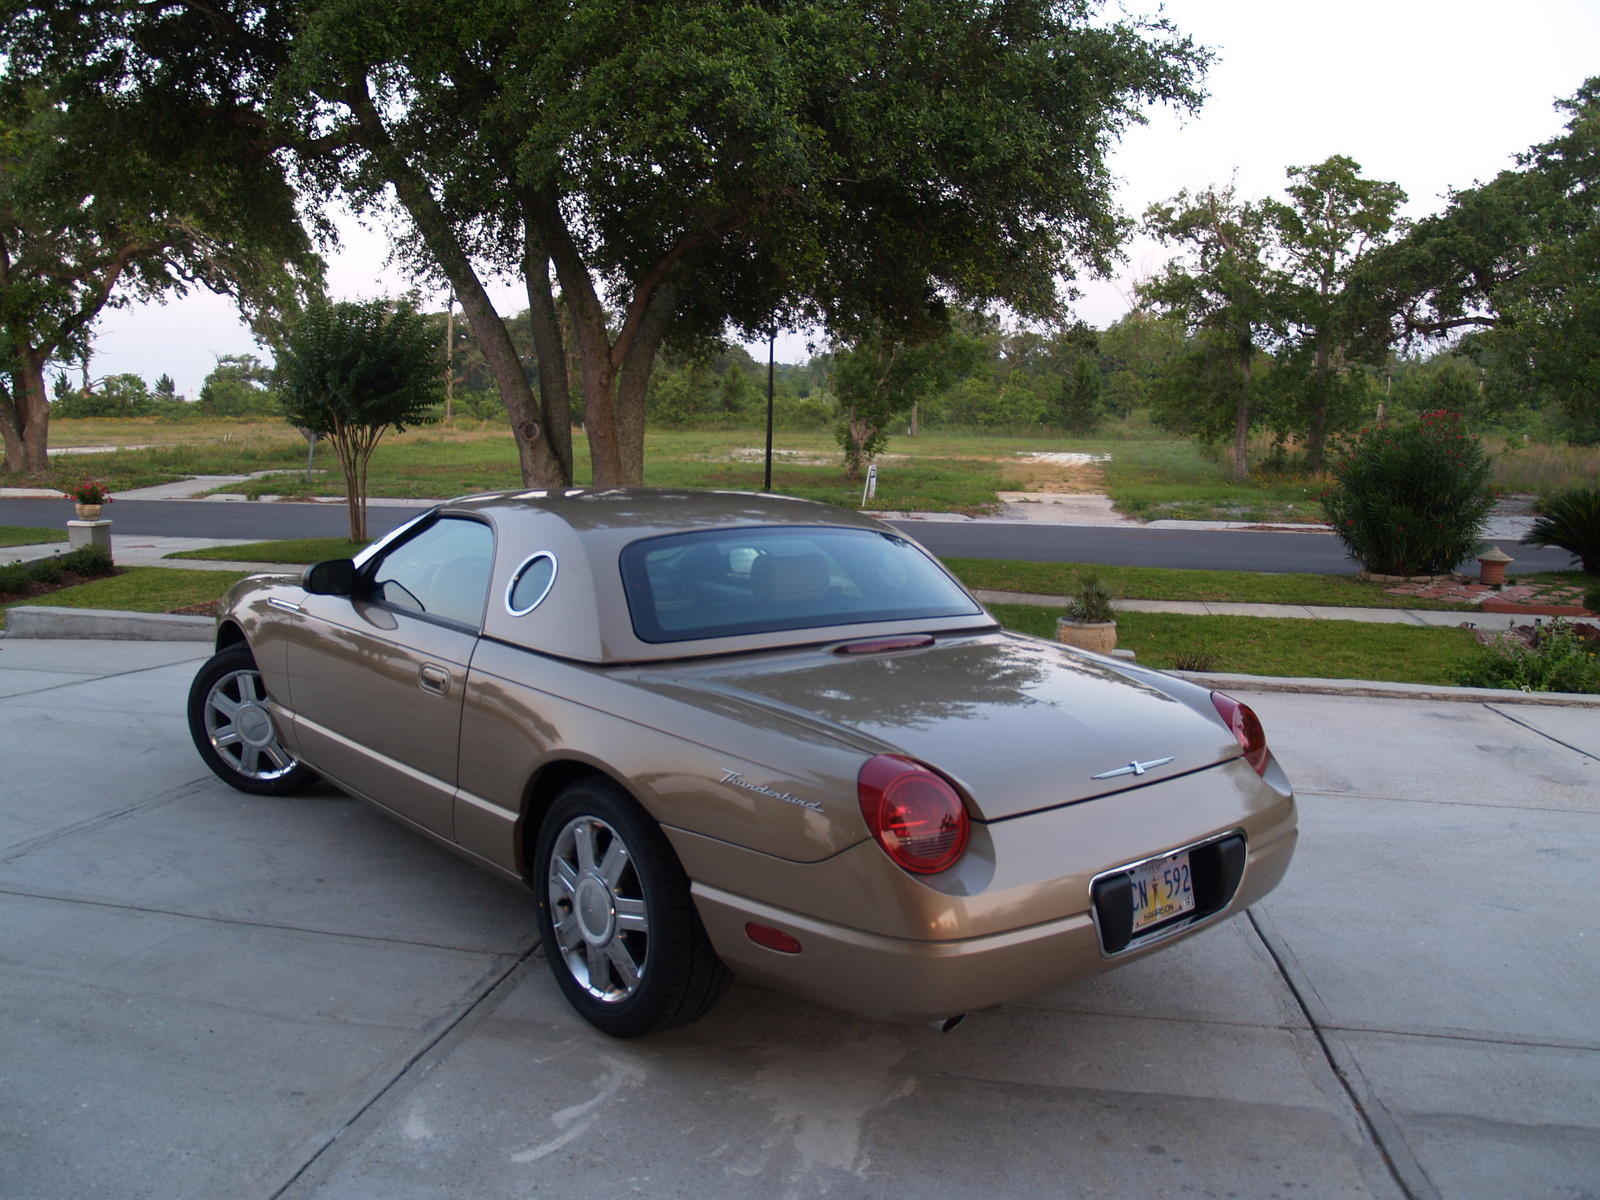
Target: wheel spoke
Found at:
x=583, y=844
x=249, y=684
x=224, y=735
x=631, y=916
x=563, y=876
x=223, y=704
x=280, y=758
x=567, y=932
x=627, y=970
x=249, y=759
x=599, y=969
x=614, y=862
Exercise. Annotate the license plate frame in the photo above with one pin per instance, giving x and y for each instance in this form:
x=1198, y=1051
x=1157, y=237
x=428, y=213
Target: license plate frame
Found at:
x=1163, y=890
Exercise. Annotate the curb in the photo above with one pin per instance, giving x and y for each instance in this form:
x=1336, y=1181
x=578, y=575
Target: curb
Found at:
x=37, y=621
x=1375, y=690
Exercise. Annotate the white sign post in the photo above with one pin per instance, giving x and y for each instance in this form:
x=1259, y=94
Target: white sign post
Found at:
x=871, y=490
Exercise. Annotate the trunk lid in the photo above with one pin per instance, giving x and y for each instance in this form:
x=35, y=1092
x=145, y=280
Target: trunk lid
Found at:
x=1020, y=724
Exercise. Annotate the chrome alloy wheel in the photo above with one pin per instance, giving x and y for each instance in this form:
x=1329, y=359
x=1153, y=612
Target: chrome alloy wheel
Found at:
x=240, y=730
x=597, y=907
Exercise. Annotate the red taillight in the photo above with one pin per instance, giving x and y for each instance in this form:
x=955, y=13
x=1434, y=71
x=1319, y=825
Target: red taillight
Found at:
x=1246, y=727
x=916, y=815
x=772, y=939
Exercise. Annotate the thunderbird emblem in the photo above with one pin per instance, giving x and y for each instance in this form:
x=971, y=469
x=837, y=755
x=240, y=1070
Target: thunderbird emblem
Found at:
x=1133, y=768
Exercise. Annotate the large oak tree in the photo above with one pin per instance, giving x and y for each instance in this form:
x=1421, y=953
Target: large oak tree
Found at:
x=106, y=199
x=689, y=166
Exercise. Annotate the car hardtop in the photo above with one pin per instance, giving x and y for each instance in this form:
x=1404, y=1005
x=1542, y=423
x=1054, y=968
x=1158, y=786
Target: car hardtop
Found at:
x=583, y=536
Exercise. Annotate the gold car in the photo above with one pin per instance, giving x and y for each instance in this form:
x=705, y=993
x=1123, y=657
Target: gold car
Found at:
x=720, y=733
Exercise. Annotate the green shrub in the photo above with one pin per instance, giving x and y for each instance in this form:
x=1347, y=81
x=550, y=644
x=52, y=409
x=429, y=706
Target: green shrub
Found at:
x=1410, y=499
x=1571, y=522
x=1560, y=660
x=46, y=570
x=14, y=577
x=1091, y=601
x=90, y=561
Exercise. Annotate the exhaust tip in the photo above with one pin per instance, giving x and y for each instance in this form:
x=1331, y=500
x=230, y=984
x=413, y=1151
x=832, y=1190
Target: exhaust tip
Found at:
x=949, y=1023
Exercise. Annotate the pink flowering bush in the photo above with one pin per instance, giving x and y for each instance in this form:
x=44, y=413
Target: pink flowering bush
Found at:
x=1411, y=499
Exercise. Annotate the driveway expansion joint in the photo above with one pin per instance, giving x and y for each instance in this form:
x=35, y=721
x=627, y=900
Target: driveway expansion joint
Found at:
x=1404, y=1169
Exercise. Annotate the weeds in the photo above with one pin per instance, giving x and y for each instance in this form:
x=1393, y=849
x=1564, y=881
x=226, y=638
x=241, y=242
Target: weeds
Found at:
x=1555, y=658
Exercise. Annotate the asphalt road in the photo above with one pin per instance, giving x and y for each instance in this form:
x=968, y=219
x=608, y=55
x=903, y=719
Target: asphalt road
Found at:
x=1223, y=550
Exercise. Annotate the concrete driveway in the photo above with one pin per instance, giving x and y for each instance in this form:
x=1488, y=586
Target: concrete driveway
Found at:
x=204, y=994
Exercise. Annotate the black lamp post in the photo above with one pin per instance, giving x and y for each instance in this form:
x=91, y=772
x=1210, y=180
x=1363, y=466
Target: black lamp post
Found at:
x=772, y=342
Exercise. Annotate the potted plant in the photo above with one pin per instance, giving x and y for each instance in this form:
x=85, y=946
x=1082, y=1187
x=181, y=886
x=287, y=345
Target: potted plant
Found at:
x=89, y=496
x=1089, y=623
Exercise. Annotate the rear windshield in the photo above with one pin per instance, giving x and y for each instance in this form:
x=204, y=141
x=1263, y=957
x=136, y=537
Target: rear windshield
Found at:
x=725, y=582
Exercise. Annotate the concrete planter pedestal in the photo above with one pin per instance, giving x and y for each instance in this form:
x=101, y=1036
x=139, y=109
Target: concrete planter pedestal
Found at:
x=89, y=533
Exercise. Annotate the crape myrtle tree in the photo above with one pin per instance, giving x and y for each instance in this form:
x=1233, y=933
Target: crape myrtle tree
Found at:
x=349, y=372
x=108, y=198
x=685, y=167
x=1515, y=265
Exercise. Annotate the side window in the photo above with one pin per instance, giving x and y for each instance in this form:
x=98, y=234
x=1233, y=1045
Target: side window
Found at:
x=443, y=571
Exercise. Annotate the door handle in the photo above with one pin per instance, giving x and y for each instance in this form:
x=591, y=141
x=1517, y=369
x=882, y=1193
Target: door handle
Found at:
x=434, y=679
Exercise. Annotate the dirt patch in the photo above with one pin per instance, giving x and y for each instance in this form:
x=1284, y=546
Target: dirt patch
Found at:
x=208, y=609
x=1057, y=474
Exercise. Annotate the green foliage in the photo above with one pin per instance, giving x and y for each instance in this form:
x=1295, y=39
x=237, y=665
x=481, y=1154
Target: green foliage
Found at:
x=1571, y=522
x=1560, y=660
x=1079, y=404
x=878, y=378
x=1517, y=260
x=237, y=387
x=107, y=195
x=1091, y=601
x=1410, y=499
x=349, y=372
x=117, y=396
x=1224, y=291
x=92, y=562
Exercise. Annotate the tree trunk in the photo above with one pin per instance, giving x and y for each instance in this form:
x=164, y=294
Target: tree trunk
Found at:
x=25, y=415
x=555, y=387
x=1241, y=422
x=540, y=466
x=1321, y=384
x=633, y=381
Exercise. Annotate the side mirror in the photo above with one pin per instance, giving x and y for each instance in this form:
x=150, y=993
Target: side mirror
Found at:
x=333, y=577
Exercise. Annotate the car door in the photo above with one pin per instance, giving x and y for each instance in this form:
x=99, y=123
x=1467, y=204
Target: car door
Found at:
x=376, y=679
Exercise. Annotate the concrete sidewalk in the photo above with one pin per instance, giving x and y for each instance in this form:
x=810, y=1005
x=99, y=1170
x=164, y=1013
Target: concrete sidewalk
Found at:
x=210, y=994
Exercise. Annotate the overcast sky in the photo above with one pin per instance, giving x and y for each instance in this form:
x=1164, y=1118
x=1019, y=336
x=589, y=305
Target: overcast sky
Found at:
x=1432, y=95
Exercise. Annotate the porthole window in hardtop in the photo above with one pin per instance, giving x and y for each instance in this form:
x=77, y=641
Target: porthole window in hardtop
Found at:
x=720, y=583
x=443, y=571
x=531, y=584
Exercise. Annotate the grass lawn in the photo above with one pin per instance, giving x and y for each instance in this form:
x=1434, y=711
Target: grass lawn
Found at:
x=1169, y=583
x=296, y=551
x=30, y=535
x=1278, y=646
x=143, y=589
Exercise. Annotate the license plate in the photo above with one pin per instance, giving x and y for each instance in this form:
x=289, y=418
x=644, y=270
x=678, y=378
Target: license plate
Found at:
x=1162, y=889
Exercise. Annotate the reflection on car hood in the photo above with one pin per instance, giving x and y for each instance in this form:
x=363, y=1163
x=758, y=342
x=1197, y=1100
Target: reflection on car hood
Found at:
x=1019, y=723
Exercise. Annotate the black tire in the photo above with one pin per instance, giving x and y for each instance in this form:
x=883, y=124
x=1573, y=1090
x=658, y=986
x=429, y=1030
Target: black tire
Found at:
x=619, y=928
x=233, y=730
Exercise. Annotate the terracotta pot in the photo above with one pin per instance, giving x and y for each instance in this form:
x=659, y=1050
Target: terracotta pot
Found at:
x=1098, y=636
x=89, y=512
